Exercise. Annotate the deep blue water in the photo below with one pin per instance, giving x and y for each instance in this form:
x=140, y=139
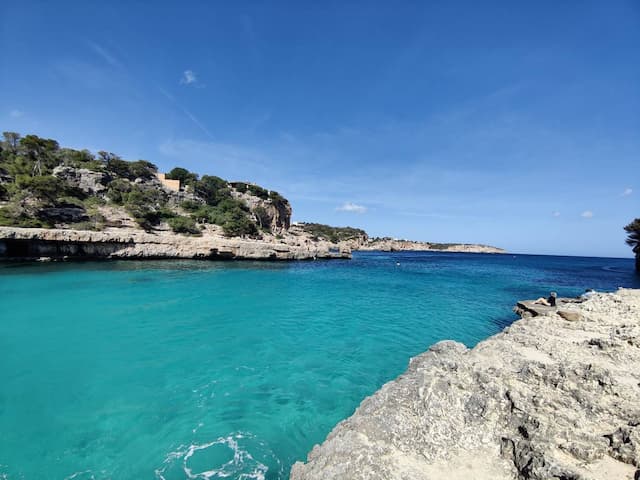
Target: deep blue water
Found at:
x=181, y=369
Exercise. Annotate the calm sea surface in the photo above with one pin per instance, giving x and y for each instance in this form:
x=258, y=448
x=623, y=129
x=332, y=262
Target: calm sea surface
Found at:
x=180, y=369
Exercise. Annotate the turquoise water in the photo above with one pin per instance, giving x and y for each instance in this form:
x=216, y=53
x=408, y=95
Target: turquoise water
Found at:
x=175, y=370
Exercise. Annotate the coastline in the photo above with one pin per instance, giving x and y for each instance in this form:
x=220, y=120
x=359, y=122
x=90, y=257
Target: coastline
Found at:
x=549, y=397
x=18, y=243
x=67, y=244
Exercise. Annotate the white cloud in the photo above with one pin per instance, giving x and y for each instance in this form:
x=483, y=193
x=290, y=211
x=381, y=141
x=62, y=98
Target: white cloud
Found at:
x=188, y=78
x=16, y=113
x=556, y=214
x=352, y=207
x=627, y=192
x=587, y=214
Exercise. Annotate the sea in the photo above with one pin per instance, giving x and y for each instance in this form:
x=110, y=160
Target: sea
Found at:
x=210, y=370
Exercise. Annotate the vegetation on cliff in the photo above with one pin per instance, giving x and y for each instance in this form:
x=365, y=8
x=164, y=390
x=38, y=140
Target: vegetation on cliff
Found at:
x=334, y=234
x=45, y=185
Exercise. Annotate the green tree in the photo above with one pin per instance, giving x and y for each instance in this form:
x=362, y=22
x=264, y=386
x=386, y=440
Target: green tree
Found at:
x=45, y=187
x=633, y=240
x=212, y=189
x=41, y=153
x=185, y=176
x=142, y=169
x=11, y=141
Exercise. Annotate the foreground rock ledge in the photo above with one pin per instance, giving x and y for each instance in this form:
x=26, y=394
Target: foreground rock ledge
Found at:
x=545, y=399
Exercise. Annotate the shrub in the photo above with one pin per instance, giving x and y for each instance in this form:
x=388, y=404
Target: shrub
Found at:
x=333, y=234
x=180, y=224
x=117, y=166
x=259, y=192
x=12, y=215
x=142, y=169
x=191, y=205
x=212, y=189
x=119, y=190
x=69, y=202
x=80, y=159
x=45, y=187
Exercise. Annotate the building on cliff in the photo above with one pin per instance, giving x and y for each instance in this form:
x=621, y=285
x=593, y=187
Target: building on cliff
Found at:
x=173, y=185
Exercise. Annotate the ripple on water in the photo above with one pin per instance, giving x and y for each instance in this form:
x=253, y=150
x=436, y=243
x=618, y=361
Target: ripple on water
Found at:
x=239, y=455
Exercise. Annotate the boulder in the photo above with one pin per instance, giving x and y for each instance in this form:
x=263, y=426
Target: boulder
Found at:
x=570, y=315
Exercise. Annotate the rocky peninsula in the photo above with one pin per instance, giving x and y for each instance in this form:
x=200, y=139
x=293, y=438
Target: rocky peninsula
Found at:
x=387, y=244
x=552, y=396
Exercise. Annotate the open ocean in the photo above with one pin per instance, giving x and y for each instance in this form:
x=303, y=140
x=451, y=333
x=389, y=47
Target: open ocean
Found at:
x=209, y=370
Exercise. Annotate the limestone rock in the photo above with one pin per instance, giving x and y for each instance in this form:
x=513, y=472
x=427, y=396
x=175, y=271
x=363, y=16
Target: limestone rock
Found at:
x=88, y=181
x=543, y=399
x=274, y=216
x=133, y=243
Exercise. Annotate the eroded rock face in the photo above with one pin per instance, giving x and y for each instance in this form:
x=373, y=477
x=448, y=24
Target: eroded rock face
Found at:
x=88, y=181
x=275, y=217
x=547, y=398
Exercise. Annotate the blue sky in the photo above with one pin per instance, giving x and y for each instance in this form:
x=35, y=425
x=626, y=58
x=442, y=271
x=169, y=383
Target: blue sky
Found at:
x=515, y=124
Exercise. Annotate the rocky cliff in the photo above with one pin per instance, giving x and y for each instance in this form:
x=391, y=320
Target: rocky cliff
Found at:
x=131, y=243
x=551, y=397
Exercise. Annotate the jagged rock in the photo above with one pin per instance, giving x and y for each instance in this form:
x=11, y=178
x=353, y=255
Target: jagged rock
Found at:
x=543, y=399
x=88, y=181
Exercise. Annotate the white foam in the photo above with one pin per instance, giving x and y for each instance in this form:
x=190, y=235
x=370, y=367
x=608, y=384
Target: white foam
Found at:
x=81, y=475
x=243, y=466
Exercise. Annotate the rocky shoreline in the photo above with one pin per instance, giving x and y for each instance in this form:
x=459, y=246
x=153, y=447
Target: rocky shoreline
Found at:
x=123, y=243
x=552, y=396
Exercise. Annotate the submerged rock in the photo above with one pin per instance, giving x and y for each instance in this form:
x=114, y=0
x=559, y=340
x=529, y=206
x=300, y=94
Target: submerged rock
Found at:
x=546, y=398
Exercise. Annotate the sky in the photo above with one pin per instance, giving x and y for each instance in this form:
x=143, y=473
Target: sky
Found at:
x=515, y=124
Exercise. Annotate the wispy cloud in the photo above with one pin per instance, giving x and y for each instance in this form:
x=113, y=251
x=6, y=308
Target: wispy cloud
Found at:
x=352, y=207
x=16, y=113
x=105, y=54
x=627, y=192
x=231, y=161
x=189, y=115
x=188, y=78
x=556, y=214
x=587, y=214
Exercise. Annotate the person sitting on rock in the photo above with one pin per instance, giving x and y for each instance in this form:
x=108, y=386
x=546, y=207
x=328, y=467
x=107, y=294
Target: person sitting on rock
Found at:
x=548, y=302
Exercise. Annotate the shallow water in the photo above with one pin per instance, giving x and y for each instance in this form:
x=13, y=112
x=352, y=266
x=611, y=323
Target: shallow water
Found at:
x=180, y=369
